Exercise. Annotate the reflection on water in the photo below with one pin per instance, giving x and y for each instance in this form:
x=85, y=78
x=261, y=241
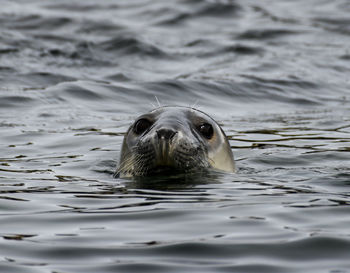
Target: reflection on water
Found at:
x=75, y=74
x=174, y=181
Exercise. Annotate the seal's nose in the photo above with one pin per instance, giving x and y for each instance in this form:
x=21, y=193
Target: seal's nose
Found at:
x=166, y=134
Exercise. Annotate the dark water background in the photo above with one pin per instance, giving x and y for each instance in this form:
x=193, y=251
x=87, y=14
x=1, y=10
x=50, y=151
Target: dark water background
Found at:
x=73, y=76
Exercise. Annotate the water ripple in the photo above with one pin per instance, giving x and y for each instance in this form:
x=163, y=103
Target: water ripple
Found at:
x=75, y=74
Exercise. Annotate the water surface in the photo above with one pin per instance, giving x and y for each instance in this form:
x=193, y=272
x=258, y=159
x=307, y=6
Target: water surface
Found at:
x=274, y=74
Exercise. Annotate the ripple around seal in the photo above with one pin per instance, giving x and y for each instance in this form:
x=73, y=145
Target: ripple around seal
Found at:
x=80, y=7
x=238, y=49
x=266, y=34
x=128, y=44
x=17, y=101
x=340, y=25
x=236, y=92
x=319, y=253
x=194, y=10
x=33, y=22
x=220, y=9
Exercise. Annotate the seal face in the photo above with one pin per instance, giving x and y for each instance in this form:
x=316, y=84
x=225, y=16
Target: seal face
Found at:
x=173, y=138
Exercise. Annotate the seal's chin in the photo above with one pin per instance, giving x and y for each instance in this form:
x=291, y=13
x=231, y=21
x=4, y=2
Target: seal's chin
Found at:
x=161, y=169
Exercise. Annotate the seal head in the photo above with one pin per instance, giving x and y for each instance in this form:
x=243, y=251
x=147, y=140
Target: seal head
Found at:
x=174, y=138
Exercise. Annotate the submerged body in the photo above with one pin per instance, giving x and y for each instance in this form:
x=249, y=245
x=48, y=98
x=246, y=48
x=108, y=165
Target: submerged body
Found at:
x=174, y=138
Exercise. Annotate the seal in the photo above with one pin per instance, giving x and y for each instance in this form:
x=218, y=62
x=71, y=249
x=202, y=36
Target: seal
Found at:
x=174, y=138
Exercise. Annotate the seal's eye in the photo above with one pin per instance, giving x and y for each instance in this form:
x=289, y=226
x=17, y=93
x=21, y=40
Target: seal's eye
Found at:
x=206, y=130
x=141, y=126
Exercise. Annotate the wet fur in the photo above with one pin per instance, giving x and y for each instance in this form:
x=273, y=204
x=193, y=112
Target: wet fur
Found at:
x=142, y=159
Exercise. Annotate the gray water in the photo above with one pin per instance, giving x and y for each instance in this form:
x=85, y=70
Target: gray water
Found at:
x=73, y=76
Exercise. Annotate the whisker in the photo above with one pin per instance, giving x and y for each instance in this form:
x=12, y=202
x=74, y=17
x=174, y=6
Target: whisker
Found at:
x=157, y=101
x=194, y=105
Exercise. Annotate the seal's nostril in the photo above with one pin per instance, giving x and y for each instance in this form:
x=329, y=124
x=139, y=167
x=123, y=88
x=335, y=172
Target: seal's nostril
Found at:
x=166, y=133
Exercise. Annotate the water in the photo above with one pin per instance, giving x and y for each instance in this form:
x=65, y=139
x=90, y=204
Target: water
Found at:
x=274, y=74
